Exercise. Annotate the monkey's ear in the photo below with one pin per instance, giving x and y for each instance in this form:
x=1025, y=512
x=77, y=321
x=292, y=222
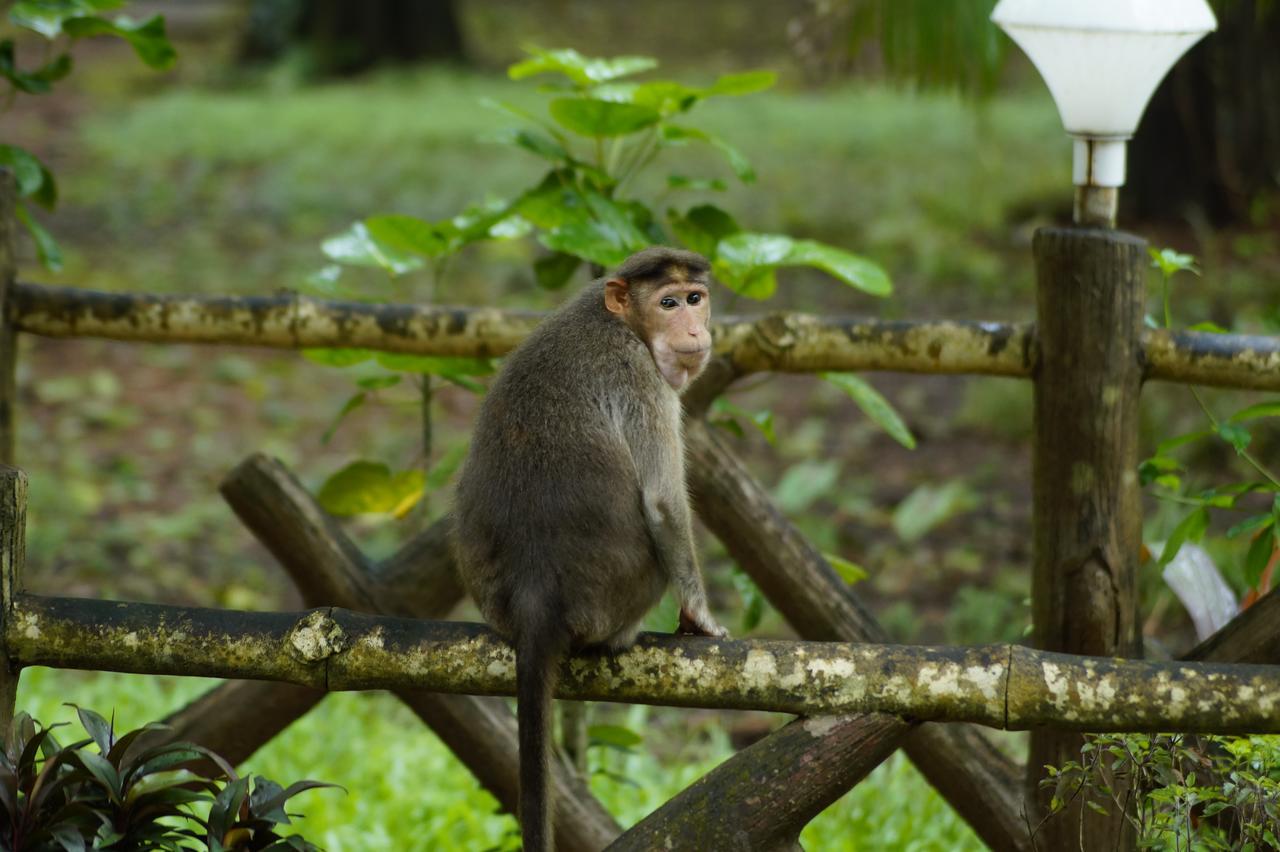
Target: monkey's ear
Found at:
x=617, y=296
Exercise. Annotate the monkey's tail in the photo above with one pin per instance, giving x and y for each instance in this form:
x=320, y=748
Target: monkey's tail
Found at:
x=539, y=651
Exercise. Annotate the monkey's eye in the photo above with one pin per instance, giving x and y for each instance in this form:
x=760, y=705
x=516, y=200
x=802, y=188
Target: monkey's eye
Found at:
x=694, y=298
x=668, y=302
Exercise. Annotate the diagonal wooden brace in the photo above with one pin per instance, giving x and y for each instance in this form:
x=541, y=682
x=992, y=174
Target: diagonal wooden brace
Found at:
x=238, y=717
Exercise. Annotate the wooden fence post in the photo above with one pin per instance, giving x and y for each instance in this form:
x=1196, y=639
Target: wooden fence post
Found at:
x=8, y=331
x=1086, y=502
x=13, y=535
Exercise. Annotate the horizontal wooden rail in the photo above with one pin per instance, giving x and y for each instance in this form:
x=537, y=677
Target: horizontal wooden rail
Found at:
x=1001, y=686
x=777, y=342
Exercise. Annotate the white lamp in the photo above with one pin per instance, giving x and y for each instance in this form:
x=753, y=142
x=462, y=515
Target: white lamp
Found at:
x=1102, y=60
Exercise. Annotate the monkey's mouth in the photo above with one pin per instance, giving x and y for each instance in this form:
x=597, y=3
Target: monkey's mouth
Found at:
x=689, y=353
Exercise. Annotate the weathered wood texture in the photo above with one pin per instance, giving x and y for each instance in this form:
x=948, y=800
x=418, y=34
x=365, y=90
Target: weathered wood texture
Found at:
x=8, y=312
x=13, y=543
x=1253, y=636
x=764, y=796
x=976, y=778
x=1000, y=686
x=1086, y=502
x=782, y=343
x=418, y=581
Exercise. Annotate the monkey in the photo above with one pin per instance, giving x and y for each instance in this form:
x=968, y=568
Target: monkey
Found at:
x=571, y=514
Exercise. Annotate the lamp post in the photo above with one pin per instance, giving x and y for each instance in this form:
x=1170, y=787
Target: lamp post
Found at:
x=1101, y=60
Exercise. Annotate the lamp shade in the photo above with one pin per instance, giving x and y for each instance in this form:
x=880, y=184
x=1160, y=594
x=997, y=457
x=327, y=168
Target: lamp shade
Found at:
x=1102, y=59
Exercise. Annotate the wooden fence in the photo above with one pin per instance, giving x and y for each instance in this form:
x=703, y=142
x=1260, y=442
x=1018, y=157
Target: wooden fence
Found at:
x=858, y=699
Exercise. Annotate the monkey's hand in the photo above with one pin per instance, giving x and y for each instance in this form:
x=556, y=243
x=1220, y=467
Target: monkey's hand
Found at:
x=701, y=624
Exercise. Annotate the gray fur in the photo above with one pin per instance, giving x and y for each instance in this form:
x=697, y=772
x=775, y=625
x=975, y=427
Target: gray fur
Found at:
x=572, y=514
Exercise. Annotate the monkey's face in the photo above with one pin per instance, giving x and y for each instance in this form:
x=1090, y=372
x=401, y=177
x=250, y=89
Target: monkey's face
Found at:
x=675, y=317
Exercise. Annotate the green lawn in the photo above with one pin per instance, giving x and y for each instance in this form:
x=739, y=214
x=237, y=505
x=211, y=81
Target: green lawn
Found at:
x=406, y=791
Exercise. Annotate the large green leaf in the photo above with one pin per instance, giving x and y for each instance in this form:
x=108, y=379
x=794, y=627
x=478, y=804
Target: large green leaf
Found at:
x=35, y=82
x=745, y=262
x=593, y=117
x=554, y=271
x=677, y=135
x=27, y=170
x=865, y=275
x=874, y=406
x=1191, y=528
x=600, y=231
x=703, y=227
x=583, y=70
x=46, y=16
x=930, y=505
x=744, y=83
x=413, y=235
x=46, y=246
x=365, y=487
x=436, y=365
x=147, y=38
x=356, y=246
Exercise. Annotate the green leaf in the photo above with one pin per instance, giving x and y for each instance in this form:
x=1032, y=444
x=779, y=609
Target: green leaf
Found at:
x=703, y=227
x=600, y=230
x=1169, y=261
x=1253, y=412
x=873, y=405
x=554, y=271
x=744, y=262
x=338, y=357
x=1163, y=448
x=1190, y=528
x=443, y=470
x=853, y=270
x=357, y=247
x=1250, y=524
x=804, y=483
x=375, y=383
x=666, y=96
x=583, y=70
x=352, y=403
x=536, y=143
x=614, y=736
x=46, y=16
x=411, y=234
x=96, y=727
x=696, y=184
x=744, y=83
x=1236, y=436
x=147, y=38
x=1257, y=557
x=365, y=487
x=27, y=169
x=46, y=247
x=597, y=118
x=928, y=506
x=762, y=420
x=34, y=82
x=850, y=572
x=1211, y=327
x=677, y=135
x=1152, y=469
x=436, y=365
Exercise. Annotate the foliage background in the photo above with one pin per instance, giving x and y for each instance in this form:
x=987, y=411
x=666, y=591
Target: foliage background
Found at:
x=218, y=178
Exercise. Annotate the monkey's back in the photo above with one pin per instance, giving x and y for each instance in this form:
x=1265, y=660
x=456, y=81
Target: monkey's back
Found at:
x=548, y=512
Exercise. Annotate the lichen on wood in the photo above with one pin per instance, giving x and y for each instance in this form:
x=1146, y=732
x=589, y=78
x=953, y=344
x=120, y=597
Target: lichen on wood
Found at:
x=1002, y=686
x=799, y=343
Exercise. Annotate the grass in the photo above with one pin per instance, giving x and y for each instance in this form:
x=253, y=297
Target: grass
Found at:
x=406, y=791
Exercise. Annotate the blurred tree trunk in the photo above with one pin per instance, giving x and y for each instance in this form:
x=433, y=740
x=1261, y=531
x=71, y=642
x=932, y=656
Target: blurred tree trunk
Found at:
x=1210, y=138
x=344, y=37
